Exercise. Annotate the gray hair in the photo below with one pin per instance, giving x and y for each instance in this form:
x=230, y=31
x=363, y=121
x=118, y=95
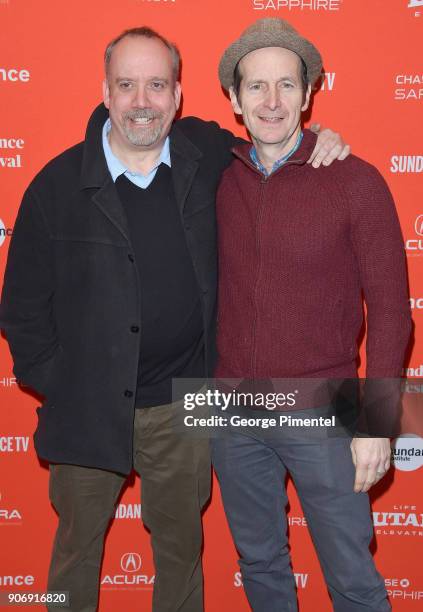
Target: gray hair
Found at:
x=148, y=33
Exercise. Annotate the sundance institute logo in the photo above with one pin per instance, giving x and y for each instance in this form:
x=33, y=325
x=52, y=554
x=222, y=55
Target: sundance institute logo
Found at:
x=407, y=452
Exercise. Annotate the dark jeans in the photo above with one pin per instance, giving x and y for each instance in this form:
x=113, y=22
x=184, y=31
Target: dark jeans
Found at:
x=175, y=485
x=251, y=468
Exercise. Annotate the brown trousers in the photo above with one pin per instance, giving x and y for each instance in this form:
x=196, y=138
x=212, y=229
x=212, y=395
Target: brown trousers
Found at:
x=175, y=485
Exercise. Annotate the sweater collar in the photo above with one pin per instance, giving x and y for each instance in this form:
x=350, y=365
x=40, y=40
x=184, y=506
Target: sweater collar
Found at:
x=299, y=157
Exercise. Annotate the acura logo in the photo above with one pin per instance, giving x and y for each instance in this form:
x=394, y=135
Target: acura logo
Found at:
x=130, y=562
x=418, y=226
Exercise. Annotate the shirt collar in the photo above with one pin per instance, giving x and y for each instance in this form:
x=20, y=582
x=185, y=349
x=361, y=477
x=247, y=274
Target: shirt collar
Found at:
x=279, y=162
x=116, y=167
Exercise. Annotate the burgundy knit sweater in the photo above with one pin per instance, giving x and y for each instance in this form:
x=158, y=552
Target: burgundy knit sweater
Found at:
x=297, y=251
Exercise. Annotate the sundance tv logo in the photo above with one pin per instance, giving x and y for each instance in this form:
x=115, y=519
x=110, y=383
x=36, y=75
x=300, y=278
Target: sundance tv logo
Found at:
x=403, y=520
x=130, y=576
x=300, y=580
x=299, y=5
x=14, y=444
x=407, y=452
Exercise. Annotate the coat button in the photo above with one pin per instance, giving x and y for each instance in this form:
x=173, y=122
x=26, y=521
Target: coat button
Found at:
x=128, y=393
x=135, y=329
x=131, y=258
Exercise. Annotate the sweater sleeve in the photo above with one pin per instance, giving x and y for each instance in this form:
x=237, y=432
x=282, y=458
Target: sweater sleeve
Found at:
x=379, y=248
x=26, y=307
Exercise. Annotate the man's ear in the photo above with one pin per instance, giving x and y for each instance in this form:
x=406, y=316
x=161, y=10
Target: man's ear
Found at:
x=306, y=98
x=106, y=93
x=177, y=91
x=234, y=101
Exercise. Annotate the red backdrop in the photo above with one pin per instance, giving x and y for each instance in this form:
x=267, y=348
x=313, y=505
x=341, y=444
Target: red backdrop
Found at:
x=50, y=80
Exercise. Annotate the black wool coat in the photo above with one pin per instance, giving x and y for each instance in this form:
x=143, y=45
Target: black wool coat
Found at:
x=71, y=297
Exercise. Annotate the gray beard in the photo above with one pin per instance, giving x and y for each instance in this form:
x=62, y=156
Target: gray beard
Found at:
x=145, y=136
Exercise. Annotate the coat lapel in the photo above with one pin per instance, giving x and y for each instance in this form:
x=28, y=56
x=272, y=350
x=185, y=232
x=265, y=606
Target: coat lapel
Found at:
x=107, y=199
x=95, y=174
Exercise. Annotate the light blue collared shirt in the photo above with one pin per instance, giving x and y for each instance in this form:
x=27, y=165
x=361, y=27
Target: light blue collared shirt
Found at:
x=279, y=162
x=116, y=167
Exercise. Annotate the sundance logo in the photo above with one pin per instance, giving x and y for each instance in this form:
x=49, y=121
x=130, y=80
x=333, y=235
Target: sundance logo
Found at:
x=17, y=580
x=301, y=5
x=128, y=511
x=416, y=303
x=414, y=372
x=407, y=453
x=11, y=160
x=14, y=75
x=406, y=164
x=4, y=231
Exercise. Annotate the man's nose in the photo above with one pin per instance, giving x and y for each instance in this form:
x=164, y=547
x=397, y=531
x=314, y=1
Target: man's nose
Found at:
x=273, y=99
x=141, y=98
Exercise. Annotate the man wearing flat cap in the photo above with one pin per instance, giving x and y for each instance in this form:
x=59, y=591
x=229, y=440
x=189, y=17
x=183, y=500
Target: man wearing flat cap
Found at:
x=297, y=249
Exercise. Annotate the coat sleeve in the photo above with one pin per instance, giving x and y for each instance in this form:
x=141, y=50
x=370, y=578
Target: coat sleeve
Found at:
x=26, y=310
x=228, y=142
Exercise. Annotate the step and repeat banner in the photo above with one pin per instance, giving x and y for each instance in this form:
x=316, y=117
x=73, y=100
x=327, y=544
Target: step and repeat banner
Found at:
x=51, y=74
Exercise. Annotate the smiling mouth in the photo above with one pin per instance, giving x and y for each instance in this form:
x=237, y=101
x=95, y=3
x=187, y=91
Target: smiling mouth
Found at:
x=142, y=120
x=271, y=119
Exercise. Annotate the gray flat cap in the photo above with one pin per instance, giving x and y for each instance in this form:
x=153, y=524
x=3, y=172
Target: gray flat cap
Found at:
x=269, y=32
